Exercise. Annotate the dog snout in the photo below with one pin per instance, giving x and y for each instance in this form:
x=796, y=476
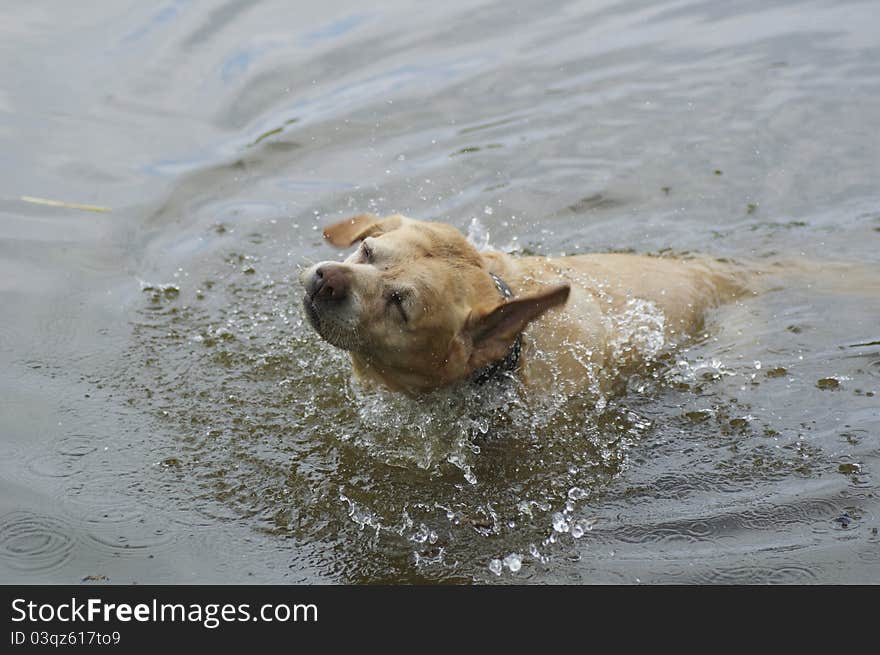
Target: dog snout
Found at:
x=328, y=282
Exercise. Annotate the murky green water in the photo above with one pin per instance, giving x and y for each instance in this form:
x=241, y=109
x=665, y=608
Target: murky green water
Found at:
x=167, y=416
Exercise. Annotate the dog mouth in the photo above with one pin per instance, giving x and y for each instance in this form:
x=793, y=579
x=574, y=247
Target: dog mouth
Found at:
x=327, y=329
x=311, y=313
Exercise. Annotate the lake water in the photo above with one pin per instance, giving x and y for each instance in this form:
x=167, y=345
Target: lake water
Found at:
x=166, y=415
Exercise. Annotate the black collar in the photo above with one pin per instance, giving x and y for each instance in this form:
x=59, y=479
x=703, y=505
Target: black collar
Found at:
x=511, y=360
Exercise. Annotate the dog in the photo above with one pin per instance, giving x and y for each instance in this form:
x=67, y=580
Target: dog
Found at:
x=419, y=308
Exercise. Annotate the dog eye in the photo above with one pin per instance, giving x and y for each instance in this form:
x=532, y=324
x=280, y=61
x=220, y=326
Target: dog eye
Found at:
x=366, y=252
x=396, y=298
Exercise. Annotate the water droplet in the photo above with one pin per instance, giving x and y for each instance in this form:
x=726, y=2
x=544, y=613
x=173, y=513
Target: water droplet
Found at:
x=560, y=524
x=495, y=566
x=513, y=562
x=576, y=493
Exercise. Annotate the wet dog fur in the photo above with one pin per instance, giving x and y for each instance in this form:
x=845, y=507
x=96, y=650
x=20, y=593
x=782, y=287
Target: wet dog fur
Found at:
x=418, y=307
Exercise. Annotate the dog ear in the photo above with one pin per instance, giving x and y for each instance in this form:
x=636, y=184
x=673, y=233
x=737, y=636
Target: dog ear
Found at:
x=359, y=227
x=492, y=334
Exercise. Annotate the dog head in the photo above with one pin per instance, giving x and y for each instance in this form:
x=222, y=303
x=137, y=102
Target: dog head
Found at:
x=415, y=304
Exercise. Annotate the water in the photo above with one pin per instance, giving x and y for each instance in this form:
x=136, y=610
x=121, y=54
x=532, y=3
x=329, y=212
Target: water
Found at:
x=167, y=416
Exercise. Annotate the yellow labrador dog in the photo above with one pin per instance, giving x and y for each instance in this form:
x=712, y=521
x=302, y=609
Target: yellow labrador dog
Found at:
x=419, y=308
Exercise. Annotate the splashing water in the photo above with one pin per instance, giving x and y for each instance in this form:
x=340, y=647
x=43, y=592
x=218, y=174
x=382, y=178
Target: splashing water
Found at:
x=437, y=482
x=639, y=330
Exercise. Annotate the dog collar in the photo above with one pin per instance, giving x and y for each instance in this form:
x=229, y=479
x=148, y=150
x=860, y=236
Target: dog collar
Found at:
x=511, y=360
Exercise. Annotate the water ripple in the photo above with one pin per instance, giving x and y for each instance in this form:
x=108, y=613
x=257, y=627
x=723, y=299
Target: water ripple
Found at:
x=33, y=542
x=783, y=574
x=730, y=523
x=124, y=529
x=55, y=465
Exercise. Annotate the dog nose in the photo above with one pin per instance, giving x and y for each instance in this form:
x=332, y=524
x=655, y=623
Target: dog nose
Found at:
x=328, y=282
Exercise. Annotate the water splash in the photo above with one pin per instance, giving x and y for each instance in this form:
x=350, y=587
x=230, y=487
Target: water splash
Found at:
x=639, y=331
